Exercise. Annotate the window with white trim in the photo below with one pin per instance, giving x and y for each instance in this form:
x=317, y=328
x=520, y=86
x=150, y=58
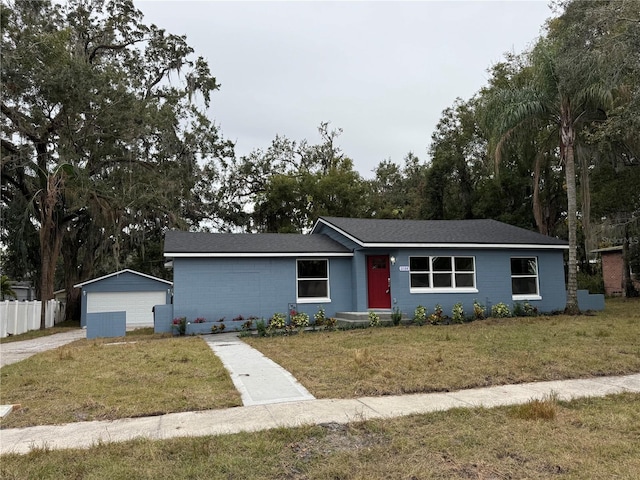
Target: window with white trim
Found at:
x=312, y=278
x=524, y=278
x=442, y=274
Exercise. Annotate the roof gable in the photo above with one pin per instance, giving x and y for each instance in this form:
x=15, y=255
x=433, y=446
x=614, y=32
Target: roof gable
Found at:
x=126, y=270
x=184, y=244
x=479, y=233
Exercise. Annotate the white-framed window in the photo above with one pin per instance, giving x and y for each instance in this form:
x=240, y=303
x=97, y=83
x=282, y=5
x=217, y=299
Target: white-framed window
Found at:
x=312, y=280
x=442, y=274
x=524, y=278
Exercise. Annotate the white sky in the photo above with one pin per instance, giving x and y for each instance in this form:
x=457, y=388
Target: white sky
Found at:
x=381, y=71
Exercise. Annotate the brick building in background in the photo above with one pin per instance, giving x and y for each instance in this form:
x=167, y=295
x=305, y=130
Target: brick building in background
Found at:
x=612, y=271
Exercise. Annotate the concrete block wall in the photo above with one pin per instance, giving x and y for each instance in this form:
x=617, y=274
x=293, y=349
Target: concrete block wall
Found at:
x=106, y=324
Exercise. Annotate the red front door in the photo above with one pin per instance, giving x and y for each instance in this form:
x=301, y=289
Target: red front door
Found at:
x=378, y=281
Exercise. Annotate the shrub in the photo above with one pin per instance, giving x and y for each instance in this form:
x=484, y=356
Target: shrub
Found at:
x=529, y=310
x=179, y=325
x=261, y=328
x=396, y=316
x=524, y=310
x=278, y=320
x=239, y=318
x=246, y=326
x=374, y=319
x=594, y=283
x=330, y=323
x=420, y=315
x=436, y=317
x=319, y=317
x=518, y=311
x=500, y=310
x=457, y=314
x=478, y=311
x=300, y=320
x=199, y=320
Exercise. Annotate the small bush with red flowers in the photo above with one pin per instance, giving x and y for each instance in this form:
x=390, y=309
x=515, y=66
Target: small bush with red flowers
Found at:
x=179, y=325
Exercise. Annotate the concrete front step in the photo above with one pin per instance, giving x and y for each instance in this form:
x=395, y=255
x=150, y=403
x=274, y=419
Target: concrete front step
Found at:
x=384, y=315
x=361, y=319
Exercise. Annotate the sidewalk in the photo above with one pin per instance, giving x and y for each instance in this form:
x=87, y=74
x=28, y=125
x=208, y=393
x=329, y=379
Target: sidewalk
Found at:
x=292, y=414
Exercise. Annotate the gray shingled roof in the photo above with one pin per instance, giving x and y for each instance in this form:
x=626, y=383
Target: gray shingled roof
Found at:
x=369, y=231
x=198, y=242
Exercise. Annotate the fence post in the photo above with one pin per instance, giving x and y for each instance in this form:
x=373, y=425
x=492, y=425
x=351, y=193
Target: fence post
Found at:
x=22, y=310
x=60, y=314
x=34, y=318
x=14, y=318
x=51, y=312
x=4, y=319
x=31, y=306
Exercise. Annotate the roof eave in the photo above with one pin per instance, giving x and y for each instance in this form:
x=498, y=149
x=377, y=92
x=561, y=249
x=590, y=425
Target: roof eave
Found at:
x=254, y=254
x=536, y=246
x=126, y=270
x=339, y=230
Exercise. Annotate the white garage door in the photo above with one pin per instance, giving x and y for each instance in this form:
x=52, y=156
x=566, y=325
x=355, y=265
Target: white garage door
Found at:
x=138, y=305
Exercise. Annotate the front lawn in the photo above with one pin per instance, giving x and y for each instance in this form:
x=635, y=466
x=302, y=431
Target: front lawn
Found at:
x=105, y=379
x=396, y=360
x=144, y=374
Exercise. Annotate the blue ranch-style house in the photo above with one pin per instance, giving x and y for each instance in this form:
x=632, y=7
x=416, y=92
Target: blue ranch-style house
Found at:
x=357, y=265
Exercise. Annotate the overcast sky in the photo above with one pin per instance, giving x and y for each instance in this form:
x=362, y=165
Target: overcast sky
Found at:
x=381, y=71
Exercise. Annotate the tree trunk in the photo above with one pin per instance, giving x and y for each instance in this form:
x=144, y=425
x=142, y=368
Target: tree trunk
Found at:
x=72, y=276
x=50, y=242
x=629, y=288
x=568, y=136
x=537, y=206
x=78, y=260
x=585, y=188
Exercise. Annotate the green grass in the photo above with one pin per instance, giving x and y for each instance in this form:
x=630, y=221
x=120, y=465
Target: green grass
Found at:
x=589, y=438
x=397, y=360
x=106, y=379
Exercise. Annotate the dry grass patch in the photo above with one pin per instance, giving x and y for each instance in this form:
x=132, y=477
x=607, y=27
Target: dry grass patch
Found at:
x=116, y=378
x=590, y=438
x=396, y=360
x=537, y=409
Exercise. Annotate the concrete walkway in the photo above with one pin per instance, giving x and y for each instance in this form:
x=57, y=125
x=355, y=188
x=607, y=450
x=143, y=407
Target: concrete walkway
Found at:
x=259, y=379
x=293, y=414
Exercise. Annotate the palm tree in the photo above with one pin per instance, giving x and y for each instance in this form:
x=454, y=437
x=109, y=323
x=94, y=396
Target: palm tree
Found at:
x=5, y=286
x=562, y=95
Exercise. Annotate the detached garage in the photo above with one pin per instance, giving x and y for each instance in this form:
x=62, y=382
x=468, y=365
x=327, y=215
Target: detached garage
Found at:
x=127, y=290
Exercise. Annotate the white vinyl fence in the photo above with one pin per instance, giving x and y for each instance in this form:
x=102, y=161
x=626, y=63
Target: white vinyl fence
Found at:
x=20, y=317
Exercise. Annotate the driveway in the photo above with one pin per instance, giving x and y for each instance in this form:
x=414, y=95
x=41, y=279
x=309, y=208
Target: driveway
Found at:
x=14, y=352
